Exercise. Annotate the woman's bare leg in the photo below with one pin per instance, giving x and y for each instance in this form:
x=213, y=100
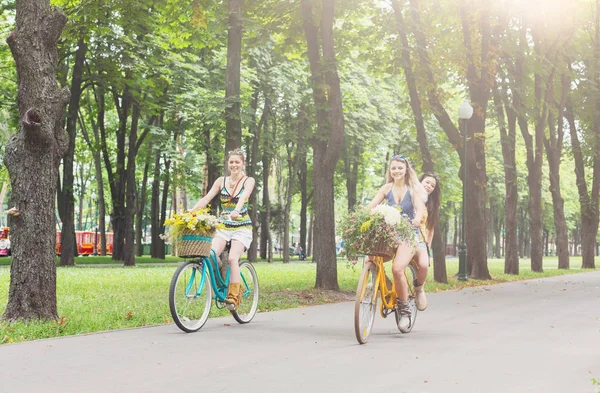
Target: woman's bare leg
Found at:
x=404, y=254
x=423, y=261
x=235, y=252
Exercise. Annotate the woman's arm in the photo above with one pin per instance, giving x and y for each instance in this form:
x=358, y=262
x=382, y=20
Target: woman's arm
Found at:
x=429, y=237
x=378, y=198
x=419, y=206
x=248, y=188
x=214, y=190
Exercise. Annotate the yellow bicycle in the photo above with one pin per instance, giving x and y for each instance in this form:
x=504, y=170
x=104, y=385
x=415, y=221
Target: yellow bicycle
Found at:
x=374, y=284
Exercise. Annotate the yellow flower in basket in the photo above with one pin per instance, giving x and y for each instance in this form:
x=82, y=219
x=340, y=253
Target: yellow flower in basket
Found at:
x=365, y=226
x=192, y=232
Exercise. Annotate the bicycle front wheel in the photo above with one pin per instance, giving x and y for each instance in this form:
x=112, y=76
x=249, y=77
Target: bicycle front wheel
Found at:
x=190, y=296
x=365, y=306
x=249, y=294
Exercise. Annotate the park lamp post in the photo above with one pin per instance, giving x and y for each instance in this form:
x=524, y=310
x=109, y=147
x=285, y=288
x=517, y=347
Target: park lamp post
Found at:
x=96, y=231
x=465, y=111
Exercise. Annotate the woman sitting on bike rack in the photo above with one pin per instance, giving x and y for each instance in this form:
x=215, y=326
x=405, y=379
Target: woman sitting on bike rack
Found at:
x=402, y=189
x=234, y=191
x=431, y=184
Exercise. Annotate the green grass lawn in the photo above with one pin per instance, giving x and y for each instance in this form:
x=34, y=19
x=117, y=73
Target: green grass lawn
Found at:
x=113, y=297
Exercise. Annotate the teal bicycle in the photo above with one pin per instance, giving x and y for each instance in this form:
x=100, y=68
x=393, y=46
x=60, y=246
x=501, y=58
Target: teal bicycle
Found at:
x=197, y=282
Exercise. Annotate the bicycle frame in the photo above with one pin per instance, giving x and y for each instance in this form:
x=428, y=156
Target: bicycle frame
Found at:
x=210, y=269
x=388, y=297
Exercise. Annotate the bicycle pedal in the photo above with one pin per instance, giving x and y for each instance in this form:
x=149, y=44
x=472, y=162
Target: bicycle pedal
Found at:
x=230, y=307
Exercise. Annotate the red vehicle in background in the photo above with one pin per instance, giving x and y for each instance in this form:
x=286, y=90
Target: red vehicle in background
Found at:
x=4, y=242
x=86, y=241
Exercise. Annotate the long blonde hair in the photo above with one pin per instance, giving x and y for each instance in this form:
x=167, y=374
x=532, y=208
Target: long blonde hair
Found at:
x=410, y=178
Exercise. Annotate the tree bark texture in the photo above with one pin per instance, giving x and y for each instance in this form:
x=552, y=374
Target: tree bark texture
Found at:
x=252, y=172
x=304, y=197
x=32, y=158
x=329, y=142
x=415, y=101
x=352, y=154
x=233, y=124
x=438, y=247
x=139, y=218
x=157, y=243
x=508, y=141
x=588, y=201
x=479, y=80
x=130, y=190
x=265, y=211
x=480, y=77
x=68, y=244
x=553, y=143
x=118, y=179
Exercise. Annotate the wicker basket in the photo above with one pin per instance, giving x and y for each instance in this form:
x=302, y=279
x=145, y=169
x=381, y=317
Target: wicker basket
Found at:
x=192, y=244
x=380, y=249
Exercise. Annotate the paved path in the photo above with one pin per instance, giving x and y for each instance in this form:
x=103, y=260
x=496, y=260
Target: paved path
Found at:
x=530, y=336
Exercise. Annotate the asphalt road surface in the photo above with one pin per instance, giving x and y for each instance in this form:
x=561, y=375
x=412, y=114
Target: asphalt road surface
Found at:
x=529, y=336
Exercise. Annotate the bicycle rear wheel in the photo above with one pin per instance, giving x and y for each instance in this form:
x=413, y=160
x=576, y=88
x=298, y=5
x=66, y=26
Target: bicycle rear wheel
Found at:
x=249, y=294
x=411, y=276
x=190, y=296
x=365, y=305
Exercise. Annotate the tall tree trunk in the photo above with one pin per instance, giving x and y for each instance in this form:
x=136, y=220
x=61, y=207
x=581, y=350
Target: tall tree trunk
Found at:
x=352, y=154
x=131, y=192
x=304, y=196
x=99, y=247
x=118, y=179
x=309, y=242
x=508, y=141
x=330, y=123
x=587, y=201
x=68, y=247
x=32, y=157
x=265, y=231
x=415, y=101
x=233, y=139
x=252, y=172
x=480, y=76
x=479, y=81
x=534, y=145
x=155, y=224
x=292, y=160
x=98, y=148
x=163, y=206
x=438, y=247
x=553, y=144
x=139, y=222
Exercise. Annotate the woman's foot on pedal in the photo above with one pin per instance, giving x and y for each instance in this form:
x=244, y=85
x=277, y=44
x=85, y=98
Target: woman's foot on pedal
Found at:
x=420, y=297
x=232, y=301
x=404, y=316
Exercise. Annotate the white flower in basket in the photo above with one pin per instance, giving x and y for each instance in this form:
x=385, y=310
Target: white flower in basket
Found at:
x=391, y=215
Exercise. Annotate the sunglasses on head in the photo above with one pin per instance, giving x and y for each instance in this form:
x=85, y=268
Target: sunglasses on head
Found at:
x=399, y=157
